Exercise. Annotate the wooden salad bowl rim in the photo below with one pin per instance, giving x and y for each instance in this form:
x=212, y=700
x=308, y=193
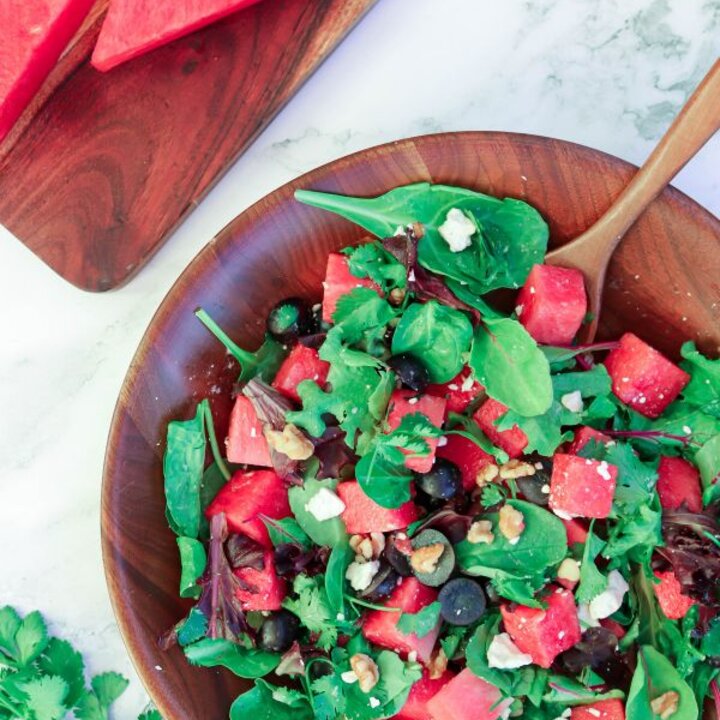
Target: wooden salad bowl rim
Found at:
x=664, y=284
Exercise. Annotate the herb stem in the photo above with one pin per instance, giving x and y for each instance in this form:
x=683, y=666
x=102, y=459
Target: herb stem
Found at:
x=650, y=435
x=242, y=356
x=371, y=606
x=214, y=447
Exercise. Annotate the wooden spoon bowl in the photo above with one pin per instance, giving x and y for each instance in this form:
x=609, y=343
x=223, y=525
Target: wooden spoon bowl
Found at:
x=663, y=284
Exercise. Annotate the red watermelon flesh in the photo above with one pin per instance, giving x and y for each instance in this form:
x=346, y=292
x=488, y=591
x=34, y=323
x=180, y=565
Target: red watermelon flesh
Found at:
x=670, y=596
x=583, y=436
x=601, y=710
x=577, y=531
x=581, y=487
x=407, y=402
x=380, y=626
x=544, y=634
x=679, y=483
x=261, y=589
x=468, y=697
x=363, y=515
x=422, y=691
x=459, y=392
x=339, y=281
x=247, y=496
x=467, y=456
x=614, y=627
x=552, y=304
x=512, y=441
x=643, y=378
x=245, y=442
x=303, y=363
x=134, y=27
x=34, y=35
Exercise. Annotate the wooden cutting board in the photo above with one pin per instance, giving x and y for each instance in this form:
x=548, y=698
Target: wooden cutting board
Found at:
x=104, y=166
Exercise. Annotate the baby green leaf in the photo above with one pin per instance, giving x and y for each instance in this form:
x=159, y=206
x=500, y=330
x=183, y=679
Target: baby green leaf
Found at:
x=244, y=662
x=192, y=565
x=337, y=565
x=322, y=532
x=259, y=703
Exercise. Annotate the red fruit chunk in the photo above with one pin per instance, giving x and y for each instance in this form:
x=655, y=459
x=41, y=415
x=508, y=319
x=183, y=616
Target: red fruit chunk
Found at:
x=643, y=378
x=407, y=402
x=339, y=281
x=581, y=487
x=34, y=34
x=468, y=697
x=245, y=442
x=670, y=596
x=552, y=304
x=363, y=515
x=467, y=456
x=422, y=691
x=679, y=483
x=380, y=626
x=303, y=363
x=245, y=497
x=261, y=589
x=600, y=710
x=134, y=27
x=512, y=441
x=459, y=392
x=544, y=634
x=576, y=530
x=614, y=627
x=583, y=436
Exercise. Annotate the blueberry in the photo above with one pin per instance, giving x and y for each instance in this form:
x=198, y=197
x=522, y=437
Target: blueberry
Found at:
x=462, y=601
x=412, y=373
x=290, y=319
x=382, y=584
x=399, y=561
x=443, y=481
x=442, y=567
x=279, y=631
x=532, y=486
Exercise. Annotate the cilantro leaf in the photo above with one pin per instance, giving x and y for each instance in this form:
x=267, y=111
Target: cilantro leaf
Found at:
x=492, y=494
x=313, y=609
x=31, y=638
x=373, y=261
x=106, y=688
x=46, y=697
x=328, y=697
x=151, y=714
x=61, y=659
x=421, y=622
x=592, y=581
x=703, y=390
x=9, y=625
x=265, y=702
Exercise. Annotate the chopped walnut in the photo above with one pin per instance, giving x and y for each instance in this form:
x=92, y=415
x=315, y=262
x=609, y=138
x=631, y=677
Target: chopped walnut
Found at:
x=418, y=230
x=438, y=664
x=424, y=560
x=486, y=474
x=666, y=705
x=480, y=532
x=569, y=570
x=516, y=469
x=511, y=523
x=291, y=441
x=367, y=547
x=365, y=670
x=396, y=297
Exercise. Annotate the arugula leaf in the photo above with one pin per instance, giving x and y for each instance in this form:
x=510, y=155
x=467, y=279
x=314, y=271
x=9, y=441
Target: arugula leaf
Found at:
x=508, y=362
x=286, y=530
x=192, y=565
x=244, y=662
x=265, y=702
x=313, y=609
x=337, y=565
x=437, y=335
x=373, y=261
x=703, y=390
x=421, y=622
x=329, y=532
x=46, y=697
x=592, y=581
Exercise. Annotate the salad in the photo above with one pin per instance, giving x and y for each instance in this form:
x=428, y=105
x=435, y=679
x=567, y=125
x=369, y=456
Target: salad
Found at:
x=427, y=508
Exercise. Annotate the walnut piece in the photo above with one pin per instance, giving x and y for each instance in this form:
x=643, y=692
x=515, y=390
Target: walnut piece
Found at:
x=291, y=441
x=516, y=469
x=511, y=523
x=569, y=570
x=369, y=546
x=666, y=705
x=424, y=560
x=438, y=664
x=366, y=671
x=396, y=297
x=486, y=474
x=480, y=532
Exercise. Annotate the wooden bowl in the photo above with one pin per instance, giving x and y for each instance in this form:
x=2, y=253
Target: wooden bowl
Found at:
x=662, y=284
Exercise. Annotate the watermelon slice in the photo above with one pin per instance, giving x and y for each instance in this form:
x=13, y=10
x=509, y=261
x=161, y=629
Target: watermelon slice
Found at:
x=583, y=436
x=544, y=634
x=459, y=392
x=601, y=710
x=552, y=304
x=261, y=589
x=614, y=627
x=467, y=456
x=643, y=378
x=576, y=530
x=134, y=27
x=679, y=484
x=468, y=697
x=245, y=497
x=581, y=487
x=512, y=441
x=670, y=596
x=245, y=442
x=34, y=34
x=339, y=281
x=303, y=363
x=363, y=515
x=422, y=691
x=380, y=626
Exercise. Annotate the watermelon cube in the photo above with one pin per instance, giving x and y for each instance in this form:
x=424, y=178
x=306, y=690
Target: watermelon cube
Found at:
x=552, y=304
x=643, y=378
x=407, y=402
x=247, y=496
x=422, y=691
x=134, y=27
x=581, y=487
x=363, y=515
x=380, y=626
x=34, y=35
x=468, y=697
x=303, y=363
x=544, y=634
x=576, y=530
x=467, y=456
x=246, y=442
x=670, y=596
x=260, y=589
x=679, y=484
x=512, y=441
x=339, y=281
x=600, y=710
x=614, y=627
x=583, y=436
x=459, y=392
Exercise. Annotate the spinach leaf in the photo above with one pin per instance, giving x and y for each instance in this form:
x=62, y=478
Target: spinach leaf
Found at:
x=192, y=565
x=437, y=335
x=337, y=565
x=508, y=362
x=421, y=622
x=286, y=530
x=212, y=480
x=263, y=702
x=703, y=390
x=244, y=662
x=322, y=532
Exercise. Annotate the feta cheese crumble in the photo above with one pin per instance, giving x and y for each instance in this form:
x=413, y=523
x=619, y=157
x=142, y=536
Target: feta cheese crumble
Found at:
x=610, y=599
x=457, y=230
x=503, y=653
x=361, y=574
x=603, y=471
x=325, y=505
x=572, y=401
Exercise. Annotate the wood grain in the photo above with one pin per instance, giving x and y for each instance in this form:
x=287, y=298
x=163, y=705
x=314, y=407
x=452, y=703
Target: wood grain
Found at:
x=277, y=248
x=96, y=178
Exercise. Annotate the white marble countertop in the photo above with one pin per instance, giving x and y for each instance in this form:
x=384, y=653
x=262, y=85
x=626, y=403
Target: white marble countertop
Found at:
x=606, y=73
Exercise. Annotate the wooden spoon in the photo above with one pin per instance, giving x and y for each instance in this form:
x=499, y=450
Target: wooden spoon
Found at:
x=591, y=251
